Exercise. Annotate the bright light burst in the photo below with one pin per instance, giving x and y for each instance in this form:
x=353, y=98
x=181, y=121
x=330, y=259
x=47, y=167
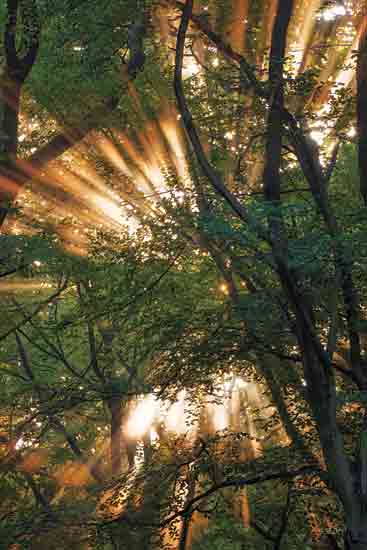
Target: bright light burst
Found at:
x=73, y=187
x=333, y=12
x=175, y=419
x=142, y=417
x=17, y=284
x=111, y=209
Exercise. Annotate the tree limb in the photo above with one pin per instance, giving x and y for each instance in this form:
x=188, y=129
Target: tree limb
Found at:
x=190, y=506
x=213, y=176
x=30, y=316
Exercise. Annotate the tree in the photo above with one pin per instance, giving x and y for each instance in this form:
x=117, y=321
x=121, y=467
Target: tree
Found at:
x=345, y=476
x=18, y=62
x=264, y=204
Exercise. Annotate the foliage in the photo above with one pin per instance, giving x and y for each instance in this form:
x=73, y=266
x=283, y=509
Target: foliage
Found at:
x=224, y=321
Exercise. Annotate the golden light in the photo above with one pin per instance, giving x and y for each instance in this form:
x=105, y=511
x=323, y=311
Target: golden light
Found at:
x=18, y=284
x=142, y=416
x=240, y=383
x=190, y=68
x=318, y=136
x=332, y=12
x=33, y=461
x=73, y=474
x=223, y=288
x=175, y=420
x=111, y=209
x=20, y=444
x=173, y=134
x=219, y=414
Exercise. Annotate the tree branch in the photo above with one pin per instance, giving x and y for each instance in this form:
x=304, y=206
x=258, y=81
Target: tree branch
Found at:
x=18, y=68
x=213, y=176
x=11, y=57
x=284, y=520
x=39, y=498
x=30, y=316
x=189, y=507
x=32, y=22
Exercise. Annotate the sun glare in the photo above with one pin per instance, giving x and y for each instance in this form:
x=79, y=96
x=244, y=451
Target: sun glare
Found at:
x=175, y=420
x=333, y=12
x=142, y=416
x=219, y=414
x=111, y=209
x=175, y=417
x=18, y=284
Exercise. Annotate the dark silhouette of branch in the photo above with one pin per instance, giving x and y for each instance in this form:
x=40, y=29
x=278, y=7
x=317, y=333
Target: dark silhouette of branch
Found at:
x=361, y=78
x=17, y=67
x=213, y=176
x=39, y=498
x=58, y=353
x=259, y=529
x=12, y=271
x=317, y=180
x=30, y=316
x=145, y=291
x=9, y=34
x=55, y=422
x=284, y=520
x=285, y=475
x=332, y=161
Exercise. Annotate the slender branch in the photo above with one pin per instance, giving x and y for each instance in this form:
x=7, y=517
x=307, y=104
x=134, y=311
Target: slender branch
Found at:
x=332, y=161
x=259, y=529
x=58, y=353
x=24, y=358
x=37, y=345
x=93, y=353
x=30, y=316
x=11, y=271
x=54, y=421
x=39, y=498
x=190, y=506
x=92, y=342
x=284, y=520
x=145, y=291
x=8, y=372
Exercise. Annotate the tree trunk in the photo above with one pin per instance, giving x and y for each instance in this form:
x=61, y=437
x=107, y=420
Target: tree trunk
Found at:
x=9, y=105
x=356, y=536
x=15, y=71
x=266, y=367
x=362, y=110
x=10, y=100
x=115, y=407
